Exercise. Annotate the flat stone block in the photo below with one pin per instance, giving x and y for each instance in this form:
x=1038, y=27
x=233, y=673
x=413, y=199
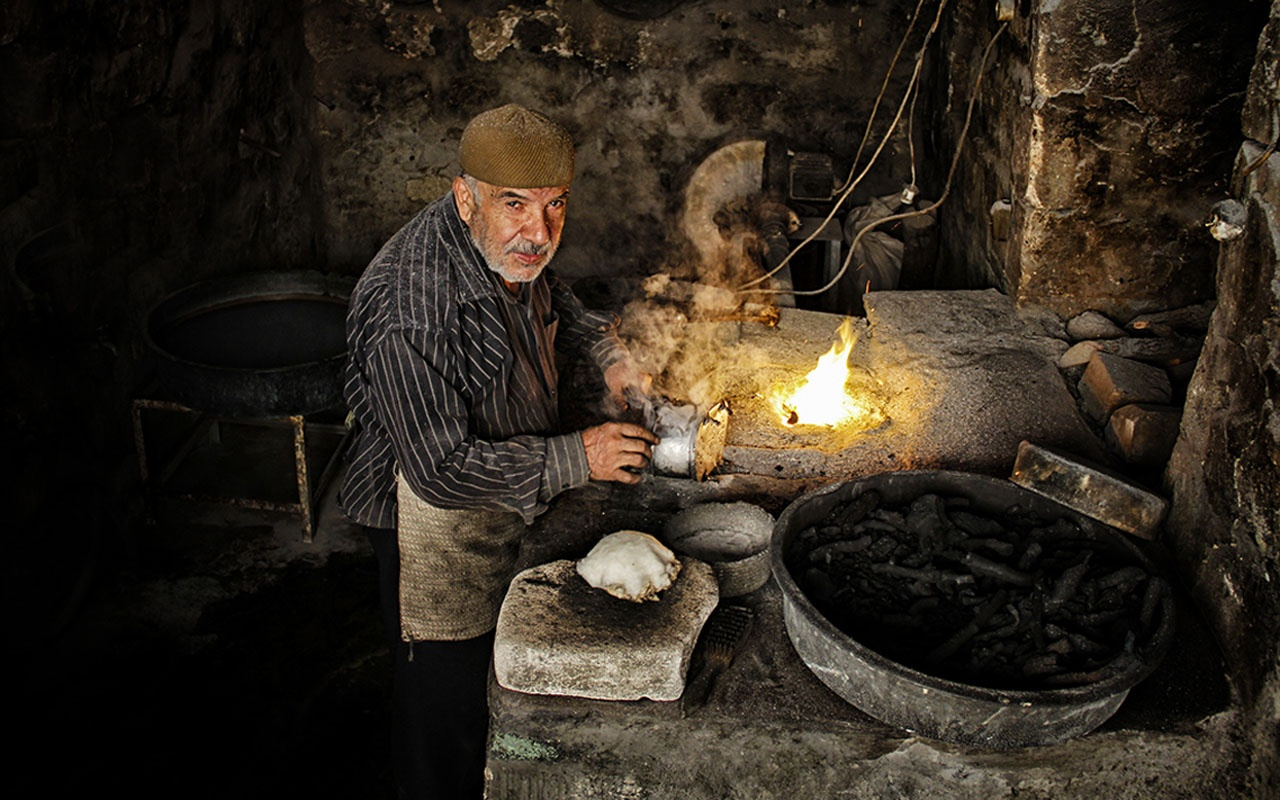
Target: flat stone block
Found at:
x=1112, y=381
x=558, y=635
x=1143, y=433
x=1091, y=491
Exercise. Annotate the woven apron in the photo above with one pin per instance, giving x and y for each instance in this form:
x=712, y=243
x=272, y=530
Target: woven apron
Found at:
x=455, y=566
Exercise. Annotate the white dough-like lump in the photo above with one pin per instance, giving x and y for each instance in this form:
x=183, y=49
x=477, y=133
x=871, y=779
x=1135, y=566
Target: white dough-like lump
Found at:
x=631, y=565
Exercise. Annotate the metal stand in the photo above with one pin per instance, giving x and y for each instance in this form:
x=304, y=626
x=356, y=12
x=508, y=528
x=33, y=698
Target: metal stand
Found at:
x=205, y=430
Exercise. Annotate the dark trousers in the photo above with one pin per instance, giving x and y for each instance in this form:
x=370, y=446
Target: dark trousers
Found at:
x=440, y=716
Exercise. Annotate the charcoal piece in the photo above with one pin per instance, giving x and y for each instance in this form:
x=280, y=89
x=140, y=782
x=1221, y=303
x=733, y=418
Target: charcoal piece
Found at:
x=829, y=532
x=1097, y=619
x=1064, y=588
x=1059, y=646
x=976, y=525
x=837, y=549
x=980, y=618
x=858, y=507
x=911, y=573
x=1030, y=556
x=1083, y=644
x=986, y=568
x=997, y=546
x=889, y=517
x=1126, y=577
x=881, y=549
x=926, y=514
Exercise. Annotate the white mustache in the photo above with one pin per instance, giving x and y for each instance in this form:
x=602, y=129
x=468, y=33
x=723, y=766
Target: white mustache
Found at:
x=529, y=248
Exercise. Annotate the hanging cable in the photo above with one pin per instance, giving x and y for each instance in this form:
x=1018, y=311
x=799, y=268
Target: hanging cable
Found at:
x=915, y=77
x=909, y=191
x=888, y=73
x=955, y=161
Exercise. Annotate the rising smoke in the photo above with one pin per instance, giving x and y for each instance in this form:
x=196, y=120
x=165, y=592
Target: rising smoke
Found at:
x=684, y=329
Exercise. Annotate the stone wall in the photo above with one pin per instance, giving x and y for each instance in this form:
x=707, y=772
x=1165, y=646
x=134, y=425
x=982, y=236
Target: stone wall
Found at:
x=1224, y=477
x=1110, y=130
x=648, y=95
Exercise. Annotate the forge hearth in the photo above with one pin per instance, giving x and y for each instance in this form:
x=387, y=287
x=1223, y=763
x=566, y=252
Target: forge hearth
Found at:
x=959, y=377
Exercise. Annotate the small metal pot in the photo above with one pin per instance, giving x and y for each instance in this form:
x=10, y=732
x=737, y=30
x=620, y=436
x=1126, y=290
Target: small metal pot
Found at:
x=692, y=440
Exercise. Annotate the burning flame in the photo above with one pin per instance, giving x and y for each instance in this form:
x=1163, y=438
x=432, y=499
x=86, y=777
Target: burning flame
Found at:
x=821, y=397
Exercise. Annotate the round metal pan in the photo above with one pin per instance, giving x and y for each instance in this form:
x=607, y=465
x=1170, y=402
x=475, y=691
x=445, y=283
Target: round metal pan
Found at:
x=929, y=705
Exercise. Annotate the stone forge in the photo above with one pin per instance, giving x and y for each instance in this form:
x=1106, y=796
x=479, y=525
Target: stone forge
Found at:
x=960, y=377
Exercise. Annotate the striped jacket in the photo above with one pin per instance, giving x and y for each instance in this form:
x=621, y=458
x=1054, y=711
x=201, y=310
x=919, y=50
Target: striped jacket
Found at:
x=453, y=382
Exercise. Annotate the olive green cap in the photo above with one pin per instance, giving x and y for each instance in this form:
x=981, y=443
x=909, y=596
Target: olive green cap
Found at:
x=513, y=146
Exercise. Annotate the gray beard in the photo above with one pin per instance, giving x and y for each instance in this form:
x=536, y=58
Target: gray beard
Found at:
x=495, y=265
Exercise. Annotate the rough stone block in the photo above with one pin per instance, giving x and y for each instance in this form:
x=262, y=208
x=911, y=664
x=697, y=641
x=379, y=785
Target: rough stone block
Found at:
x=1093, y=325
x=1112, y=381
x=1078, y=355
x=1090, y=490
x=557, y=635
x=1143, y=433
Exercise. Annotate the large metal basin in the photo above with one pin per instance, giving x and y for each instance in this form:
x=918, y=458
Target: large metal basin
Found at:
x=932, y=706
x=256, y=345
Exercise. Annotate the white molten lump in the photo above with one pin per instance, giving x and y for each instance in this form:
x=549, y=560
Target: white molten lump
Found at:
x=631, y=565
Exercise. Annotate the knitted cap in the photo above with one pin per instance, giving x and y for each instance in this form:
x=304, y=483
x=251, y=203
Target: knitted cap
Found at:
x=513, y=146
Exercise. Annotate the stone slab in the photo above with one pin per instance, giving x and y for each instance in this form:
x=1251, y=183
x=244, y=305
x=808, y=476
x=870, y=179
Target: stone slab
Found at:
x=1092, y=491
x=557, y=635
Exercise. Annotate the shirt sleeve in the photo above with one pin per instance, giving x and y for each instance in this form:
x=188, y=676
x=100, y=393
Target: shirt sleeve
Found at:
x=426, y=417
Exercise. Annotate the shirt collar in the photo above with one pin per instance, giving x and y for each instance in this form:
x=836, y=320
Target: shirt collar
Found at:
x=475, y=279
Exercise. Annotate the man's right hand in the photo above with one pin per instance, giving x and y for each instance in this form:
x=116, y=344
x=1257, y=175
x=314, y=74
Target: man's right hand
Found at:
x=618, y=451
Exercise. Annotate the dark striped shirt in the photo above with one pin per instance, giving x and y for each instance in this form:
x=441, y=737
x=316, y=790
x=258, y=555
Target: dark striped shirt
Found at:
x=453, y=381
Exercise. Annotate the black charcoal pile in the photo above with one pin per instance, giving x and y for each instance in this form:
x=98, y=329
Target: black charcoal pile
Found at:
x=1005, y=600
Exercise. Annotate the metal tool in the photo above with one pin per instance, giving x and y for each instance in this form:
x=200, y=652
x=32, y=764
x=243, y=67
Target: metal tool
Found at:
x=723, y=634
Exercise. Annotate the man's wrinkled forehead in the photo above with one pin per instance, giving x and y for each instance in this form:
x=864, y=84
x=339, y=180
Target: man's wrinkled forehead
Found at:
x=541, y=194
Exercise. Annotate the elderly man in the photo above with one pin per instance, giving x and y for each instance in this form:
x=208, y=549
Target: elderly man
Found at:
x=452, y=332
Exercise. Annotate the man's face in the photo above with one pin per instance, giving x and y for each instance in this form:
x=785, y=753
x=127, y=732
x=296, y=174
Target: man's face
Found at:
x=517, y=230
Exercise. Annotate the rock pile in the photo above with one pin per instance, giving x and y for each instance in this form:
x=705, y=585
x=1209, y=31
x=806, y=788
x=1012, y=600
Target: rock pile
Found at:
x=1130, y=379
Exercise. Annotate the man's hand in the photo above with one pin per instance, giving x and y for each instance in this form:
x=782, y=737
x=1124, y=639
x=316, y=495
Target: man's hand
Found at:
x=623, y=375
x=618, y=451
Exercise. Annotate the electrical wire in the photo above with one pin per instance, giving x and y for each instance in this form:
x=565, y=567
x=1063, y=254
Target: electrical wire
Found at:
x=844, y=195
x=955, y=161
x=911, y=141
x=888, y=73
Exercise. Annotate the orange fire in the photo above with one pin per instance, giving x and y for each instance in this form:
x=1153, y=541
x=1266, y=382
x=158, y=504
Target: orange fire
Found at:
x=822, y=397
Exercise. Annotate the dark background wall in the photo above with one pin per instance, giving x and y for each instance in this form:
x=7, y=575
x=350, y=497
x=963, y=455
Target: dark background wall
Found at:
x=143, y=147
